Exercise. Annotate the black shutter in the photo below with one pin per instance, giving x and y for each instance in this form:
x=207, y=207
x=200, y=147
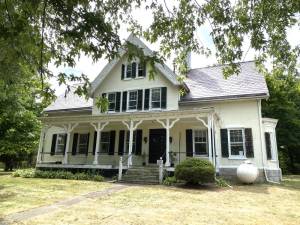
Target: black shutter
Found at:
x=124, y=101
x=123, y=72
x=65, y=142
x=53, y=145
x=121, y=142
x=189, y=142
x=118, y=101
x=138, y=142
x=249, y=143
x=140, y=100
x=95, y=142
x=144, y=70
x=268, y=145
x=87, y=145
x=146, y=99
x=112, y=137
x=75, y=140
x=163, y=97
x=133, y=70
x=224, y=143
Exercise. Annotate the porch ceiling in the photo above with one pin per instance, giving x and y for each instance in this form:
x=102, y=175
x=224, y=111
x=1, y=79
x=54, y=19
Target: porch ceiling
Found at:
x=135, y=116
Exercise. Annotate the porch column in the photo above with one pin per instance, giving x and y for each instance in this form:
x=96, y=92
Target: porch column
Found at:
x=68, y=129
x=131, y=127
x=208, y=125
x=167, y=126
x=98, y=128
x=41, y=144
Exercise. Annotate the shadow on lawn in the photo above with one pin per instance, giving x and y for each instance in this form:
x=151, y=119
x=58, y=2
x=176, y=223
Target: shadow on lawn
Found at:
x=263, y=188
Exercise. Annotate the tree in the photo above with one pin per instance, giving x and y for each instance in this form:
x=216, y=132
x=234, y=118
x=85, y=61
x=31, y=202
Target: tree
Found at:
x=37, y=32
x=284, y=104
x=19, y=126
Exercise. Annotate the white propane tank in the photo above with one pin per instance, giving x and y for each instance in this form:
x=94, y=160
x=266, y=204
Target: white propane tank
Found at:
x=247, y=172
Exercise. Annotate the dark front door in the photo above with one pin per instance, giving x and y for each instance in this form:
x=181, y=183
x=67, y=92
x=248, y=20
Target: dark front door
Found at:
x=157, y=145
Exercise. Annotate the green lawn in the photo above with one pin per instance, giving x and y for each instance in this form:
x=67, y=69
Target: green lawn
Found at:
x=18, y=194
x=253, y=204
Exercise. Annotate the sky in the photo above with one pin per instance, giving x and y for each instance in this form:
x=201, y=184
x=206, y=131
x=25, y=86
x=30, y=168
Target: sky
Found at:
x=86, y=65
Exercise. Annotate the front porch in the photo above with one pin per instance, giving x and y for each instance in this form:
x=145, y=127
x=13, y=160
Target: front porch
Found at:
x=111, y=141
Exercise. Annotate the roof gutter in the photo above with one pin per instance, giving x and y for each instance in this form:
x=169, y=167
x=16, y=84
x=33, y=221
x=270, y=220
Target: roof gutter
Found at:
x=226, y=98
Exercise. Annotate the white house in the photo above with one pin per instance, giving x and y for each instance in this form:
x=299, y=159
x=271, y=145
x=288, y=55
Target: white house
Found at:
x=218, y=119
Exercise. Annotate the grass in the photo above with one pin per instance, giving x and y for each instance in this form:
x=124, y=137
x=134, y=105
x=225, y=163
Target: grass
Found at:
x=18, y=194
x=252, y=204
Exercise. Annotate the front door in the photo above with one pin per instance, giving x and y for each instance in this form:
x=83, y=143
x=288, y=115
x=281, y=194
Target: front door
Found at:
x=157, y=145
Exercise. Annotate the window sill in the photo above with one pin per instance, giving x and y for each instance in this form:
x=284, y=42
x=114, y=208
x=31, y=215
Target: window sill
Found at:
x=237, y=158
x=136, y=78
x=201, y=156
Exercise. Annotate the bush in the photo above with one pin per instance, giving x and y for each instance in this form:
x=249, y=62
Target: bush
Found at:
x=170, y=181
x=59, y=174
x=195, y=171
x=26, y=173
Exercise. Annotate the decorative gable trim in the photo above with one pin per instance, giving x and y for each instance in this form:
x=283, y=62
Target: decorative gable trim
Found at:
x=163, y=69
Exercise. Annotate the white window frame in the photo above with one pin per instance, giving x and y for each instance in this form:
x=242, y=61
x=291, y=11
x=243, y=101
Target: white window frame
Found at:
x=151, y=90
x=100, y=146
x=126, y=67
x=272, y=145
x=115, y=101
x=244, y=144
x=56, y=144
x=78, y=143
x=138, y=69
x=126, y=151
x=128, y=100
x=194, y=142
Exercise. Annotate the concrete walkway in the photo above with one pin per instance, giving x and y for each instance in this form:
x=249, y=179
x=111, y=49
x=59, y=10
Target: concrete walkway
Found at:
x=30, y=213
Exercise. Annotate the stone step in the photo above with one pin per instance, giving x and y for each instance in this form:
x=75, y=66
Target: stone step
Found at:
x=140, y=177
x=142, y=172
x=140, y=181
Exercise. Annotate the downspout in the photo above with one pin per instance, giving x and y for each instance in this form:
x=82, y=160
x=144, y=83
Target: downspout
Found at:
x=261, y=142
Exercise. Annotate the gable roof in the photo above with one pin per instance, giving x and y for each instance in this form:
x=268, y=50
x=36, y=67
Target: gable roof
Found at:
x=72, y=102
x=163, y=69
x=208, y=84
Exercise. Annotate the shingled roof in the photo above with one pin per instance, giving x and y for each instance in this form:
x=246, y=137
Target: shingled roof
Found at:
x=209, y=84
x=71, y=102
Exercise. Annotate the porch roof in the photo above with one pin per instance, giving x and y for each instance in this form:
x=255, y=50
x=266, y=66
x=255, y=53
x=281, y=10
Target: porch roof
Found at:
x=135, y=116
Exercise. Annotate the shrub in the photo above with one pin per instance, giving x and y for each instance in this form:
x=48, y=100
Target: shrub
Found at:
x=195, y=171
x=59, y=174
x=26, y=173
x=169, y=181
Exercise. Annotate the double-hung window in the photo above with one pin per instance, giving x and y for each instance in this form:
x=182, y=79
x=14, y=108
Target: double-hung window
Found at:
x=83, y=143
x=111, y=102
x=156, y=98
x=105, y=142
x=60, y=144
x=200, y=142
x=236, y=142
x=128, y=70
x=141, y=68
x=132, y=100
x=127, y=142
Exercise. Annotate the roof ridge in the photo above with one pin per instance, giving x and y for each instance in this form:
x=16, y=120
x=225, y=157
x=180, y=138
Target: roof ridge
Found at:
x=220, y=65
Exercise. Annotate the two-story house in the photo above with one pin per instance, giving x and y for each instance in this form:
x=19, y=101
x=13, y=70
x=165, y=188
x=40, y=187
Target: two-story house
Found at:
x=147, y=119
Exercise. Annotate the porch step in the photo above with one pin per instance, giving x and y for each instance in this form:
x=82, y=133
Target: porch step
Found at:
x=141, y=175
